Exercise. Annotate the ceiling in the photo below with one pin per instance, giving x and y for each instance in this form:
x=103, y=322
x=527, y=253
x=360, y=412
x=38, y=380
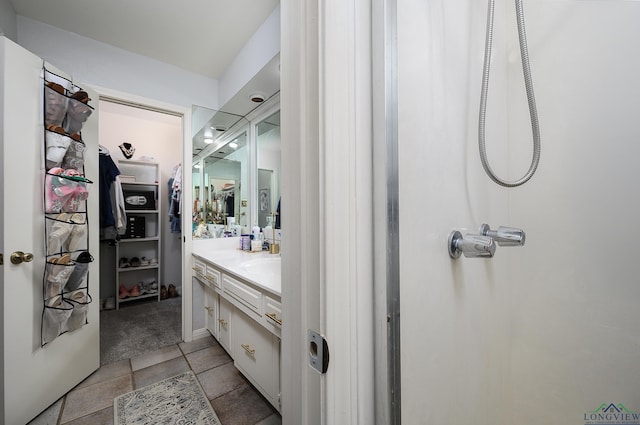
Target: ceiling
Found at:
x=202, y=36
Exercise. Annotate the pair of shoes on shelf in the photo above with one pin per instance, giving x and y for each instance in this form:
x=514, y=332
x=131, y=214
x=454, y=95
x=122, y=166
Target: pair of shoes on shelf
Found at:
x=125, y=293
x=168, y=292
x=133, y=262
x=148, y=287
x=144, y=261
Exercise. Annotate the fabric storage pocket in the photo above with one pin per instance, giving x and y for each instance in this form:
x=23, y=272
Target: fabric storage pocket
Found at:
x=54, y=318
x=77, y=114
x=56, y=274
x=57, y=146
x=80, y=301
x=65, y=190
x=78, y=278
x=55, y=104
x=74, y=157
x=58, y=231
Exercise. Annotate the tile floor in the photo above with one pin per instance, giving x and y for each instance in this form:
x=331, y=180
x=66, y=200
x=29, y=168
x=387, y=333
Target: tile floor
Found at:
x=235, y=401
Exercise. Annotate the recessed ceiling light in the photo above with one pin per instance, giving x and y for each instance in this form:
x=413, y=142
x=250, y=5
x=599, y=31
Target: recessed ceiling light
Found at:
x=208, y=141
x=233, y=145
x=257, y=98
x=196, y=166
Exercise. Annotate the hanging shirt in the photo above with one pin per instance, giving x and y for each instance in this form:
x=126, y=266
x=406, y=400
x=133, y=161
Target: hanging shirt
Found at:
x=108, y=173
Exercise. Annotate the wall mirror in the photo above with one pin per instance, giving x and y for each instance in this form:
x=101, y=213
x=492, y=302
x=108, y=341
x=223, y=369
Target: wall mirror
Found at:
x=220, y=170
x=225, y=176
x=268, y=171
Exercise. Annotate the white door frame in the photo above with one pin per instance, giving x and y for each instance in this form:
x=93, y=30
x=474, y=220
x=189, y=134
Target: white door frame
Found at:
x=327, y=200
x=185, y=113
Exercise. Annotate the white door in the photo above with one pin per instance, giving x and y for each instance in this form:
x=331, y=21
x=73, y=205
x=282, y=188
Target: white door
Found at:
x=33, y=377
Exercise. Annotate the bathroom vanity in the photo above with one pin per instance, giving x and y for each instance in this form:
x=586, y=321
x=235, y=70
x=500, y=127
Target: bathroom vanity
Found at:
x=236, y=298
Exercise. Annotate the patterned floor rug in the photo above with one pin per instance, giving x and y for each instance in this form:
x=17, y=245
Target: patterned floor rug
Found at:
x=177, y=400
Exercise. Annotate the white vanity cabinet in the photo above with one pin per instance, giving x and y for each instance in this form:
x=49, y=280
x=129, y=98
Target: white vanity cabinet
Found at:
x=245, y=318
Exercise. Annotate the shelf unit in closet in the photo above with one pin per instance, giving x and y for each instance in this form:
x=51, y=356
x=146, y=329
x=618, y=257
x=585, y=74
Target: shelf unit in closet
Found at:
x=142, y=239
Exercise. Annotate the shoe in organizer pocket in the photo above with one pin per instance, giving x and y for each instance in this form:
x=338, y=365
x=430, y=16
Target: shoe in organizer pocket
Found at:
x=74, y=157
x=78, y=278
x=57, y=145
x=55, y=103
x=56, y=274
x=58, y=233
x=78, y=237
x=54, y=318
x=77, y=114
x=78, y=317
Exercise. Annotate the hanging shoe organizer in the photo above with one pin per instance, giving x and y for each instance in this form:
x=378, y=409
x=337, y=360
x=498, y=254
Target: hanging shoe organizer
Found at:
x=66, y=277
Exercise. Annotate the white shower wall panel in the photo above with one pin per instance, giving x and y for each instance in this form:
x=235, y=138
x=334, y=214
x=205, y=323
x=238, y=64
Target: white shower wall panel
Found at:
x=454, y=315
x=574, y=319
x=545, y=333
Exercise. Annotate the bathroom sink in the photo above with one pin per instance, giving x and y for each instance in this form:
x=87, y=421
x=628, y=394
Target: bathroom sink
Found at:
x=269, y=266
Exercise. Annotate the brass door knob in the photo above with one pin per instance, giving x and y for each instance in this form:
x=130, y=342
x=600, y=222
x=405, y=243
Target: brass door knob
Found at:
x=18, y=257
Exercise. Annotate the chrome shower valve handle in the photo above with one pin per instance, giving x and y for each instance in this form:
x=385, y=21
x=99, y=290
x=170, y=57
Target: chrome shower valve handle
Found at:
x=504, y=236
x=470, y=245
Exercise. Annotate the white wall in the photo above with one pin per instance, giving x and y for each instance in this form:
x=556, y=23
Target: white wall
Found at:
x=544, y=333
x=159, y=136
x=8, y=20
x=255, y=54
x=106, y=66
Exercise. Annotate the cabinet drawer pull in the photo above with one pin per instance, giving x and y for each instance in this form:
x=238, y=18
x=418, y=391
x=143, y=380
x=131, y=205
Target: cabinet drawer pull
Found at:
x=209, y=309
x=210, y=279
x=222, y=322
x=197, y=270
x=274, y=317
x=248, y=349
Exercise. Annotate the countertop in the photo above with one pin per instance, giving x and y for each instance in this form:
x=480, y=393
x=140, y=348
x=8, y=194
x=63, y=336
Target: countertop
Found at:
x=258, y=268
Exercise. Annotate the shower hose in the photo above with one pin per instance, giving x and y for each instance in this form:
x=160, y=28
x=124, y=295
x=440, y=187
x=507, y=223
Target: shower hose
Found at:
x=530, y=98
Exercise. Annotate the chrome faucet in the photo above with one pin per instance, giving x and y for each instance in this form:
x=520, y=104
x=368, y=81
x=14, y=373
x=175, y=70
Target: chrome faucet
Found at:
x=504, y=236
x=470, y=245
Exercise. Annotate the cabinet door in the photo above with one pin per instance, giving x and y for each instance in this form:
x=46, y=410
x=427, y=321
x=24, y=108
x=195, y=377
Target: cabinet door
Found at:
x=256, y=354
x=198, y=311
x=211, y=308
x=224, y=322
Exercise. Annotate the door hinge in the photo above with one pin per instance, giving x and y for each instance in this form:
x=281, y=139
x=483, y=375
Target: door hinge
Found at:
x=1, y=259
x=318, y=352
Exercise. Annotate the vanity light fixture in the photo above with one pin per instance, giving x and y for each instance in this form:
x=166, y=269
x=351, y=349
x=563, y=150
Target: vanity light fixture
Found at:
x=208, y=140
x=218, y=128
